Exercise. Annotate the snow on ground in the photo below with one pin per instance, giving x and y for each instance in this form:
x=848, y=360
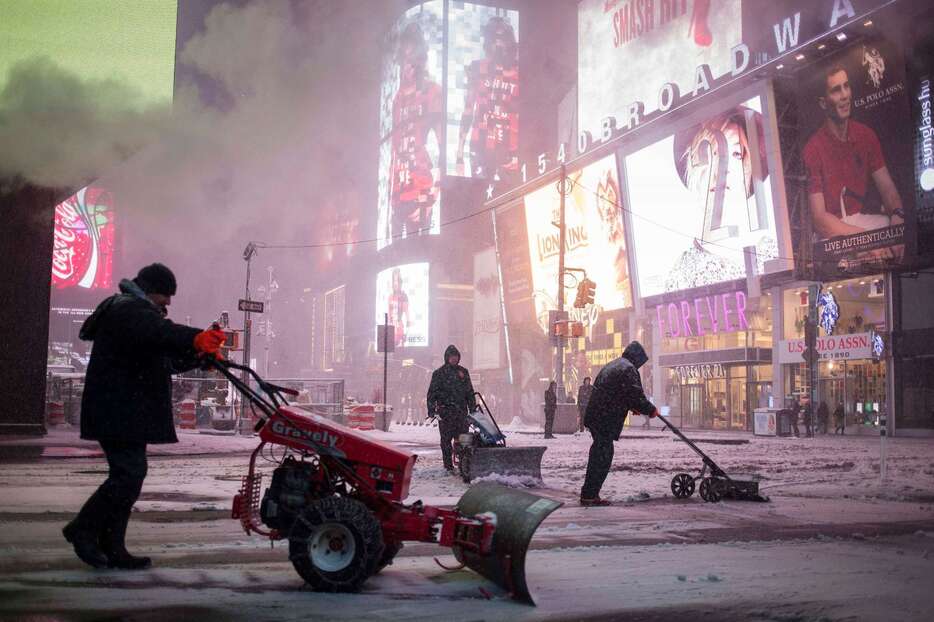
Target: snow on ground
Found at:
x=799, y=580
x=833, y=544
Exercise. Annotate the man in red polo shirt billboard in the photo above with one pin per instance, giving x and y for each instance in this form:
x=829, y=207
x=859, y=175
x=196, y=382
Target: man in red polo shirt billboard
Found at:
x=857, y=207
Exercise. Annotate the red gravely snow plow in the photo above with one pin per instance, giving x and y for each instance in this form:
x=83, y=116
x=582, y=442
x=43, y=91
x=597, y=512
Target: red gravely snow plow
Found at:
x=337, y=497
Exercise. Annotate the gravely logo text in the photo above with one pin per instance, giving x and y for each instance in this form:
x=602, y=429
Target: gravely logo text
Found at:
x=317, y=437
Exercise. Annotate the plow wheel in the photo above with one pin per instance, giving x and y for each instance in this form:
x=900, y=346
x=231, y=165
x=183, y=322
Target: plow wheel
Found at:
x=682, y=486
x=335, y=544
x=711, y=490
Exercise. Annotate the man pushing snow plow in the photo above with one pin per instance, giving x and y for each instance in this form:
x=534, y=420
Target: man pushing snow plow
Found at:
x=617, y=389
x=337, y=497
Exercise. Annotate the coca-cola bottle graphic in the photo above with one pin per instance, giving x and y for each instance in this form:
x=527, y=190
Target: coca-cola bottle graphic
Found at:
x=82, y=247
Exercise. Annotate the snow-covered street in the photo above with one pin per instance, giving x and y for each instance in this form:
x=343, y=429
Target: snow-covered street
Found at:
x=833, y=543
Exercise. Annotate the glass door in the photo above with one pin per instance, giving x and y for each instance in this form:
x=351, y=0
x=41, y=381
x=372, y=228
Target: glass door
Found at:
x=692, y=405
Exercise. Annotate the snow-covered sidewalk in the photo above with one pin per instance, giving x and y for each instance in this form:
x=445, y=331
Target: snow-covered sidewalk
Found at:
x=833, y=542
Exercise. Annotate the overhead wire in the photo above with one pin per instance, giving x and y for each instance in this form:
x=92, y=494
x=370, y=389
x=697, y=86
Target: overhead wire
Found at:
x=488, y=209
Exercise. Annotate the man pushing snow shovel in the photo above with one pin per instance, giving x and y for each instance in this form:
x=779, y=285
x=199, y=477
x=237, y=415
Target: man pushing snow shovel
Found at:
x=616, y=390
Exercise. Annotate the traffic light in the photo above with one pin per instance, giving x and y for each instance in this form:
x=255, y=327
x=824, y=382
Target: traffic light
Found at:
x=585, y=293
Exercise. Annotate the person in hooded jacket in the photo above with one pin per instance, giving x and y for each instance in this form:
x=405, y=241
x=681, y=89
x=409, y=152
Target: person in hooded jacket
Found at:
x=126, y=404
x=551, y=406
x=617, y=389
x=450, y=399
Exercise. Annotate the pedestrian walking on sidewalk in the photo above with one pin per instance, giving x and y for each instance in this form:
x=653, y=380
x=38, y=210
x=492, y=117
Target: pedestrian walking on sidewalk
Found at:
x=127, y=404
x=583, y=398
x=838, y=416
x=823, y=417
x=551, y=406
x=795, y=415
x=617, y=389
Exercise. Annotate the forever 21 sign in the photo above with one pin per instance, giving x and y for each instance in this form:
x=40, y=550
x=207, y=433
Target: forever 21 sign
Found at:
x=700, y=371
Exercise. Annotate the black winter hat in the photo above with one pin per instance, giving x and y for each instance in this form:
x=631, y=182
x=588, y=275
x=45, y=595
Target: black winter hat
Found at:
x=156, y=279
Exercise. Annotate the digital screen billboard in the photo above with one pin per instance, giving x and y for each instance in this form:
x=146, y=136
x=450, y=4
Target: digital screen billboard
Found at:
x=629, y=49
x=130, y=43
x=402, y=292
x=487, y=311
x=411, y=126
x=83, y=241
x=595, y=238
x=697, y=198
x=852, y=109
x=482, y=91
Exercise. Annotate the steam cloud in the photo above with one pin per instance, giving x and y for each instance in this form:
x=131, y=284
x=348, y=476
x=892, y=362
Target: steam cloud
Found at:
x=280, y=120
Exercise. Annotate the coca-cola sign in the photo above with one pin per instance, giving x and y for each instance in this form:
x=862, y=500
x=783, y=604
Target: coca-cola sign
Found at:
x=83, y=241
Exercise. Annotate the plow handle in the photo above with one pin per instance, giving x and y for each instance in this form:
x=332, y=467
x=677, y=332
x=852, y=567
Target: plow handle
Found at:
x=486, y=409
x=710, y=463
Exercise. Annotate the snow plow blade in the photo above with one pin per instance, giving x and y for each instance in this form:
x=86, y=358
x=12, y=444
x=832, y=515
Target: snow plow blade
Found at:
x=518, y=515
x=523, y=462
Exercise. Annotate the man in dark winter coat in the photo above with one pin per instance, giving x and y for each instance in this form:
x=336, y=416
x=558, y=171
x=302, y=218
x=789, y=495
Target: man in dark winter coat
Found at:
x=551, y=406
x=127, y=403
x=451, y=399
x=583, y=398
x=616, y=390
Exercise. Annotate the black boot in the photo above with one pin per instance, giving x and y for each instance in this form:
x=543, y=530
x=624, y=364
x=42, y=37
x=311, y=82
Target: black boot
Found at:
x=85, y=545
x=113, y=543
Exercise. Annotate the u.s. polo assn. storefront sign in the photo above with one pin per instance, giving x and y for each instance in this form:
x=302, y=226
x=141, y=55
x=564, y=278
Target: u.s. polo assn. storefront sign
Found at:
x=834, y=347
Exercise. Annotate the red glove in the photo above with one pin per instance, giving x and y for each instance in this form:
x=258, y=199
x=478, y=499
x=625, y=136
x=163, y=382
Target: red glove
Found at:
x=210, y=342
x=654, y=414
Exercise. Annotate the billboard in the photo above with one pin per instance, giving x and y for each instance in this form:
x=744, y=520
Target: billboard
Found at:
x=851, y=112
x=83, y=240
x=482, y=91
x=697, y=198
x=402, y=292
x=131, y=43
x=595, y=240
x=411, y=126
x=487, y=312
x=629, y=50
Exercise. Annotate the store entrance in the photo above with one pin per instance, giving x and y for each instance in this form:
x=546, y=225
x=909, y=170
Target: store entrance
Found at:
x=692, y=405
x=721, y=403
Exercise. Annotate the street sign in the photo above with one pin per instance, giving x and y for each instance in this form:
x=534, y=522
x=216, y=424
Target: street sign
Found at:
x=250, y=306
x=385, y=338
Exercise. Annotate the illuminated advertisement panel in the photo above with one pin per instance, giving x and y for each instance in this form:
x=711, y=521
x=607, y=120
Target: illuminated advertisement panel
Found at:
x=698, y=198
x=852, y=111
x=487, y=311
x=129, y=43
x=411, y=121
x=483, y=91
x=402, y=292
x=595, y=240
x=83, y=242
x=629, y=49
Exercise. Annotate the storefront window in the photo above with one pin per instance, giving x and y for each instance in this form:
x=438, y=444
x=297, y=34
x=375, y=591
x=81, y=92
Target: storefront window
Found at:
x=852, y=378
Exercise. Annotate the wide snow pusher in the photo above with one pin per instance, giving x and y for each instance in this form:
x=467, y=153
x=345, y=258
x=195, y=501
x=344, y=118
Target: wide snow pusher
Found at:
x=337, y=496
x=715, y=484
x=482, y=451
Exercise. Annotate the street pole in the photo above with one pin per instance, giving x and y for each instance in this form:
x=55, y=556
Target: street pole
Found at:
x=385, y=371
x=811, y=345
x=268, y=323
x=559, y=354
x=248, y=254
